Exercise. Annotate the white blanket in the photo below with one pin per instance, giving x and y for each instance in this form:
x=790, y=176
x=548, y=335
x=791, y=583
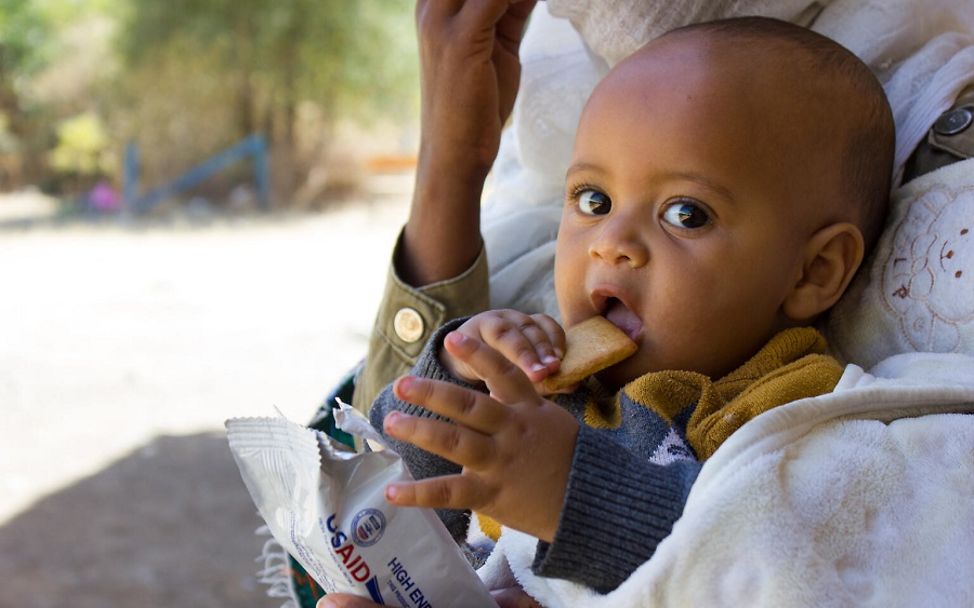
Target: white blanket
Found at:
x=863, y=497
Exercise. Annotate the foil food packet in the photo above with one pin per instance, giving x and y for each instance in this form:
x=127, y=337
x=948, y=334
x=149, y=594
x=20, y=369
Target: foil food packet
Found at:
x=326, y=506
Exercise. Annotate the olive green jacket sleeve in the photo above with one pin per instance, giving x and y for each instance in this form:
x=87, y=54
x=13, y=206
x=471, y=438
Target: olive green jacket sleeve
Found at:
x=408, y=316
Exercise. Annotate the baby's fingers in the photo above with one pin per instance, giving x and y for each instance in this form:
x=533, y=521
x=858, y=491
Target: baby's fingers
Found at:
x=522, y=341
x=464, y=406
x=447, y=492
x=507, y=382
x=454, y=442
x=555, y=335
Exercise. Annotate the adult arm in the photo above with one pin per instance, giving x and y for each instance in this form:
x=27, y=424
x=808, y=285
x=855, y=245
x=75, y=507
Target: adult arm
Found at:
x=469, y=75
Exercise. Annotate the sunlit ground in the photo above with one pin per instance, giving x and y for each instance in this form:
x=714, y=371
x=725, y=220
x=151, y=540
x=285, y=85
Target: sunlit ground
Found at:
x=122, y=352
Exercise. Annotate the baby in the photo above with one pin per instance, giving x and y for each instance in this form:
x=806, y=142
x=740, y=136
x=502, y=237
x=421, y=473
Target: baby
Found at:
x=726, y=182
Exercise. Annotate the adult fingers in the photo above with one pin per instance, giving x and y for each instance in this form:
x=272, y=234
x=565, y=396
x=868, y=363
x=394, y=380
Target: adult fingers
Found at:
x=514, y=597
x=488, y=12
x=510, y=27
x=506, y=382
x=345, y=600
x=464, y=406
x=454, y=442
x=437, y=10
x=445, y=492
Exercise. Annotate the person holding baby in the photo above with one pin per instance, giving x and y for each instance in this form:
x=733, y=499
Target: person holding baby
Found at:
x=727, y=180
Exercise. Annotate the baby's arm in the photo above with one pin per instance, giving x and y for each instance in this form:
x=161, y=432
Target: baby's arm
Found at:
x=602, y=506
x=618, y=507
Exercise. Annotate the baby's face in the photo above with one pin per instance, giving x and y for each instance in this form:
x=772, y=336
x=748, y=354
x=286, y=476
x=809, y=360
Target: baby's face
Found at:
x=680, y=224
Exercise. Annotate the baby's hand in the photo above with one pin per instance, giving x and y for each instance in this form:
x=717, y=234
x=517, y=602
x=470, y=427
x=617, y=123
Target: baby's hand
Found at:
x=534, y=343
x=514, y=446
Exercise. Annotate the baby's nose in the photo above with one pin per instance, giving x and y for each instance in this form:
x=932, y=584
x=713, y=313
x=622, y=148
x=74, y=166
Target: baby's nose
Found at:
x=620, y=243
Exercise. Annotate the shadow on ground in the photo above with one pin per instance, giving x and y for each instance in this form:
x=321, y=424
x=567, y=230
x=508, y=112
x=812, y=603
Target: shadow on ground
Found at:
x=169, y=525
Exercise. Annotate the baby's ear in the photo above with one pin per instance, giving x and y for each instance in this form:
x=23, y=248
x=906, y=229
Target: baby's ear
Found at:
x=831, y=257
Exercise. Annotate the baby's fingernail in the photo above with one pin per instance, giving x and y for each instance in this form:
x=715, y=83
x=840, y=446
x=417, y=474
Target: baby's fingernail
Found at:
x=405, y=383
x=455, y=337
x=537, y=367
x=549, y=359
x=559, y=353
x=392, y=420
x=392, y=493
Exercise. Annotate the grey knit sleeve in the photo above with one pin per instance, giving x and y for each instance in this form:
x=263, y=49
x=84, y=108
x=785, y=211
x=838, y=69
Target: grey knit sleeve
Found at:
x=421, y=463
x=617, y=509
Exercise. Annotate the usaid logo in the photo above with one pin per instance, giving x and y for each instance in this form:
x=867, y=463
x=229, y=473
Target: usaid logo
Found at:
x=367, y=527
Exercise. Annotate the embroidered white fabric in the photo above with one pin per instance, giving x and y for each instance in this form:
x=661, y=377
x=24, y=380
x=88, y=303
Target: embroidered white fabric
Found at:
x=917, y=292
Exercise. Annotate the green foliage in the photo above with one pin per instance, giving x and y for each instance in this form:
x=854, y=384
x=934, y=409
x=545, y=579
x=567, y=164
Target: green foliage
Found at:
x=83, y=148
x=24, y=35
x=9, y=143
x=349, y=56
x=186, y=78
x=200, y=74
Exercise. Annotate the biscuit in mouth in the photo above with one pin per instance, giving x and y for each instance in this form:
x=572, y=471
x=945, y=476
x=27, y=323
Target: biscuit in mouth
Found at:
x=590, y=347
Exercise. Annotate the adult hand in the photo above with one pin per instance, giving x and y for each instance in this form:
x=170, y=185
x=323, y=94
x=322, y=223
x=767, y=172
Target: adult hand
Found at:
x=514, y=446
x=469, y=75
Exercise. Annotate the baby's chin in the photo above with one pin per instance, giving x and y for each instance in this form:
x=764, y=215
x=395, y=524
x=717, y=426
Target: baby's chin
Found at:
x=617, y=376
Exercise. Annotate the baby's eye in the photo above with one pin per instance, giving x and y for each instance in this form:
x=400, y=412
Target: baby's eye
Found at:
x=686, y=214
x=593, y=202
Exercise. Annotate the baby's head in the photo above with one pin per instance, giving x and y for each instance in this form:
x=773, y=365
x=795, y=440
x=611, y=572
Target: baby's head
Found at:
x=726, y=181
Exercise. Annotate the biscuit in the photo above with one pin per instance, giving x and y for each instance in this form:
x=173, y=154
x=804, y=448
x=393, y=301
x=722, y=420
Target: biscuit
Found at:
x=590, y=346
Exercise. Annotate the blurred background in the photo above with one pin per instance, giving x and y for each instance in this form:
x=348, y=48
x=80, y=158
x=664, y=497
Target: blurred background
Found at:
x=198, y=199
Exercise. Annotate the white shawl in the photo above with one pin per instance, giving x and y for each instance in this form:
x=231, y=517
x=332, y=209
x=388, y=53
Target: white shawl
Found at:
x=863, y=496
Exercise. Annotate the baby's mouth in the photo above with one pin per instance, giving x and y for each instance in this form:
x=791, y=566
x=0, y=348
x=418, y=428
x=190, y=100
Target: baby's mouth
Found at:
x=619, y=315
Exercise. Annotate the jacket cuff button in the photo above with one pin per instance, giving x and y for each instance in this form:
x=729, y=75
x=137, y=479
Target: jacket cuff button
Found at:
x=408, y=324
x=953, y=122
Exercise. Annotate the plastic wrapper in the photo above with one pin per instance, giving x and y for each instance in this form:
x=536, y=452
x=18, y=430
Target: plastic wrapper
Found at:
x=326, y=506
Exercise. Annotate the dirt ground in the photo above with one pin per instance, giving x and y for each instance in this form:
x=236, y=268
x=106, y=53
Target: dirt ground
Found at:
x=122, y=351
